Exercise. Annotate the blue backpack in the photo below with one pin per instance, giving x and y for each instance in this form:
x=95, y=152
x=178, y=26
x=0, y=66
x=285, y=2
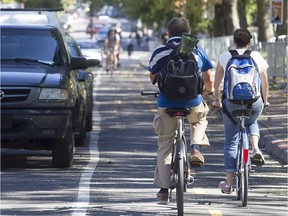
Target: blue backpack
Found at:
x=242, y=83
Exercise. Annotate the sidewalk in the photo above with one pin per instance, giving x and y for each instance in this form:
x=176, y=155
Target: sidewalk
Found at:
x=273, y=122
x=273, y=126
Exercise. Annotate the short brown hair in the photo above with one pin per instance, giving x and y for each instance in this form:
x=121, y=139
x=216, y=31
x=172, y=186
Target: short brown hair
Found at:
x=177, y=26
x=242, y=37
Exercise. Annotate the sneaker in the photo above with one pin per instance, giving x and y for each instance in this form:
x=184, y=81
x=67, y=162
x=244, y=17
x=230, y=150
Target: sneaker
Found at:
x=225, y=188
x=258, y=158
x=196, y=158
x=163, y=197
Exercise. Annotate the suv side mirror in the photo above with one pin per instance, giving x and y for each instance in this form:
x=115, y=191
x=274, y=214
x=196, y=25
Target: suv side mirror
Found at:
x=78, y=63
x=93, y=62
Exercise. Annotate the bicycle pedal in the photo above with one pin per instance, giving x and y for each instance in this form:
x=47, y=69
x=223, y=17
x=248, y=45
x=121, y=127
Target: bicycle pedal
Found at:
x=190, y=180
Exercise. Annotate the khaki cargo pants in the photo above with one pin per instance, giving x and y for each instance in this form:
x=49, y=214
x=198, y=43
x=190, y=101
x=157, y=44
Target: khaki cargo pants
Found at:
x=165, y=127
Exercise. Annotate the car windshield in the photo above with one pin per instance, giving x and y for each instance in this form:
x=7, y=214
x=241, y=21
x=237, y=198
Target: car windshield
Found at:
x=103, y=31
x=30, y=44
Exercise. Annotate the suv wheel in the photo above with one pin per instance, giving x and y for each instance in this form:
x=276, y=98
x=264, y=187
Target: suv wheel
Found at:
x=89, y=122
x=63, y=149
x=81, y=139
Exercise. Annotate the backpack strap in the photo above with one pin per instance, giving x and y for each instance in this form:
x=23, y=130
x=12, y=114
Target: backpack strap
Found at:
x=225, y=111
x=234, y=53
x=228, y=114
x=172, y=46
x=246, y=54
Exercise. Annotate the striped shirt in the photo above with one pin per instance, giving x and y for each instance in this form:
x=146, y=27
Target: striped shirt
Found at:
x=157, y=62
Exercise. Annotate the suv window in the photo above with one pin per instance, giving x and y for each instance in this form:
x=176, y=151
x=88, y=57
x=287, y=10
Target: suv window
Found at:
x=26, y=43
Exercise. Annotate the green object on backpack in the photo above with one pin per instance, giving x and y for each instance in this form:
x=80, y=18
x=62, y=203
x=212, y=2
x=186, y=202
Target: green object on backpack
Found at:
x=187, y=44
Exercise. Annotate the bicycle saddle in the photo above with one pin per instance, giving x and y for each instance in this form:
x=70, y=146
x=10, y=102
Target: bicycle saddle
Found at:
x=242, y=112
x=178, y=111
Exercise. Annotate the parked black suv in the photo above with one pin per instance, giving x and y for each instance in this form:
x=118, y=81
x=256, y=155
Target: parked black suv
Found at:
x=40, y=101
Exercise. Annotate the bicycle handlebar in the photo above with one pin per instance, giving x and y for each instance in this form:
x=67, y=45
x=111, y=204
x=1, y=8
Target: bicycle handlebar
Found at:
x=154, y=93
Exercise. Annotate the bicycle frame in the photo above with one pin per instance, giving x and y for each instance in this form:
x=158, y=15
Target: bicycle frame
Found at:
x=180, y=166
x=245, y=143
x=110, y=61
x=243, y=159
x=180, y=153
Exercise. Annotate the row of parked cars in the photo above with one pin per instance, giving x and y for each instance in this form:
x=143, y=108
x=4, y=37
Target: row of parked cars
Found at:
x=46, y=87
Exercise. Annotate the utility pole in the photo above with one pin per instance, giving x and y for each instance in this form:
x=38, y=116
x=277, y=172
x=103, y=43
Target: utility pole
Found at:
x=91, y=14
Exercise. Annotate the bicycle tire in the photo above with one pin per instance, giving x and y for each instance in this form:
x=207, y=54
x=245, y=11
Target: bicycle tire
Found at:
x=180, y=180
x=244, y=185
x=245, y=170
x=238, y=177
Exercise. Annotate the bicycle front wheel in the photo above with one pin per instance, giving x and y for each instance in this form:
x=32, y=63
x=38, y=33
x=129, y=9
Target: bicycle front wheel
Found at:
x=180, y=187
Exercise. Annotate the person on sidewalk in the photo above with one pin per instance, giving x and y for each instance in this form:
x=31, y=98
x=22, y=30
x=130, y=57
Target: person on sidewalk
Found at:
x=164, y=125
x=242, y=39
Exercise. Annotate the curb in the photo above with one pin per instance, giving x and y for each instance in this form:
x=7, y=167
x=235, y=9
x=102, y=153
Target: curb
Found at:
x=274, y=146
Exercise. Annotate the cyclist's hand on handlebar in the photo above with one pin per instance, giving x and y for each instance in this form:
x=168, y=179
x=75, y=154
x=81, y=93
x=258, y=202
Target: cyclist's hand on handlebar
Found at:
x=266, y=104
x=216, y=105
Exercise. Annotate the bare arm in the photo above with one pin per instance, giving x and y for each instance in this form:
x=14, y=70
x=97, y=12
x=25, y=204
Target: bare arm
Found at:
x=153, y=78
x=219, y=74
x=264, y=87
x=106, y=46
x=208, y=81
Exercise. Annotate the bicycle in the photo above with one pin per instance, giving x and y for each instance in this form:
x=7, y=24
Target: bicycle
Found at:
x=110, y=66
x=180, y=166
x=243, y=168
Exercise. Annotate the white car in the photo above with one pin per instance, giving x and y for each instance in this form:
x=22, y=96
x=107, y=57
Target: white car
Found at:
x=90, y=49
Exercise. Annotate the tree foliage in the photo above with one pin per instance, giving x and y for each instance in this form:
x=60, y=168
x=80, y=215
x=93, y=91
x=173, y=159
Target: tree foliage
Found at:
x=213, y=17
x=42, y=3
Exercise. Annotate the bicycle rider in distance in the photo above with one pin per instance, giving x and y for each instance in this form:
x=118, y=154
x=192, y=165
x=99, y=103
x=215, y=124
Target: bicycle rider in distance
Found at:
x=112, y=45
x=164, y=125
x=242, y=39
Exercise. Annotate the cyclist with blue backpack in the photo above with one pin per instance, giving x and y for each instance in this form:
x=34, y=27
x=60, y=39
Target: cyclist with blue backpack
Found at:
x=245, y=87
x=161, y=60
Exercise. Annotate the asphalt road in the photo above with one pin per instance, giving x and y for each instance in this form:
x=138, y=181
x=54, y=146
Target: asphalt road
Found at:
x=113, y=174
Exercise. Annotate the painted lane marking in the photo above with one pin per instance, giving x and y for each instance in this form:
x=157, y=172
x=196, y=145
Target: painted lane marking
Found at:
x=83, y=198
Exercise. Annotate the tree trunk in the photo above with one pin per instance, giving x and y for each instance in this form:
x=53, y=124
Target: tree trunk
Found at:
x=265, y=30
x=226, y=18
x=241, y=8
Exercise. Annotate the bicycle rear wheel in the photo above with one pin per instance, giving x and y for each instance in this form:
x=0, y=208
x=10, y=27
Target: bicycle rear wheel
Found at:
x=245, y=170
x=180, y=180
x=244, y=184
x=238, y=176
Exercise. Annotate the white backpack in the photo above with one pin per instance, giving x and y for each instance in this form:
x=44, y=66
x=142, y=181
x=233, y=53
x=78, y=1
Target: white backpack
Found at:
x=242, y=83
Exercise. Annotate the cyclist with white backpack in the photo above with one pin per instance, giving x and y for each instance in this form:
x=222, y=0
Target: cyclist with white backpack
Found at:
x=245, y=87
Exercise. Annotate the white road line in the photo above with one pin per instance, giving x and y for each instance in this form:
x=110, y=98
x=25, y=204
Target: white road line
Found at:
x=83, y=198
